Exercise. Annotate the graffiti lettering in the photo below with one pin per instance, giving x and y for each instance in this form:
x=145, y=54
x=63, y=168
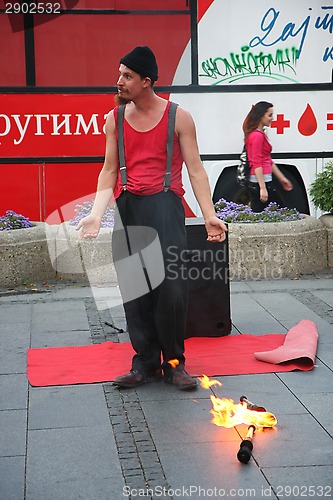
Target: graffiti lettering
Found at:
x=267, y=25
x=269, y=37
x=248, y=64
x=326, y=24
x=328, y=53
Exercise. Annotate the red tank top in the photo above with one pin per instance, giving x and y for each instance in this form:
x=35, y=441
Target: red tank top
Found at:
x=146, y=158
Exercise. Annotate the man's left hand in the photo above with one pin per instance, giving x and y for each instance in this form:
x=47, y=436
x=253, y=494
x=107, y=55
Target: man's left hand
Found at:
x=216, y=229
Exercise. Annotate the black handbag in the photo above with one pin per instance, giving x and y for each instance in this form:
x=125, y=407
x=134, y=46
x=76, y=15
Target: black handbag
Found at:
x=243, y=169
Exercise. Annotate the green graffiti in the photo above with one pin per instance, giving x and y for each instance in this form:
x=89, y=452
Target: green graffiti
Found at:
x=247, y=64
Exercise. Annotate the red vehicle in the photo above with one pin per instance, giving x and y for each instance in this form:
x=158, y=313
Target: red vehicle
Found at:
x=216, y=58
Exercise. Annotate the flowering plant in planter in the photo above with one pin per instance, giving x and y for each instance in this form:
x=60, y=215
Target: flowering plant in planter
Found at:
x=229, y=211
x=321, y=190
x=85, y=209
x=12, y=220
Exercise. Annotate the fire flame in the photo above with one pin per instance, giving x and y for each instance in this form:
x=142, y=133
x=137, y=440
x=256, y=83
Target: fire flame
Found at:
x=207, y=382
x=226, y=413
x=173, y=362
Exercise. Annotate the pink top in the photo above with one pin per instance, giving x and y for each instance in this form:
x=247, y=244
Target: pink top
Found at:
x=146, y=158
x=259, y=150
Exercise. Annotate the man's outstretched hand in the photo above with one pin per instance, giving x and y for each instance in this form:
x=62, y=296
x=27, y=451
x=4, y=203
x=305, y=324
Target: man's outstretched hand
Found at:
x=89, y=227
x=216, y=229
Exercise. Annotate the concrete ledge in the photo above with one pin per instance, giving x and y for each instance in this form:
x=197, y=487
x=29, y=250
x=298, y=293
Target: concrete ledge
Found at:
x=75, y=259
x=256, y=251
x=276, y=250
x=327, y=220
x=24, y=255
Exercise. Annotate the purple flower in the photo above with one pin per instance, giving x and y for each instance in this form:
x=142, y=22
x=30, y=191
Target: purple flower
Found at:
x=12, y=220
x=85, y=209
x=230, y=211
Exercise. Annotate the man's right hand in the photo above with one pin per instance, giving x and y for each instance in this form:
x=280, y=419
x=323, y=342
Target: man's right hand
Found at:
x=89, y=227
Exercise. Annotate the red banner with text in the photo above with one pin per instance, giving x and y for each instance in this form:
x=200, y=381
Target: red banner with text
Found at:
x=43, y=125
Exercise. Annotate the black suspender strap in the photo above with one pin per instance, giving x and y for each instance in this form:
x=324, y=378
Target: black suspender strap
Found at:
x=121, y=147
x=171, y=131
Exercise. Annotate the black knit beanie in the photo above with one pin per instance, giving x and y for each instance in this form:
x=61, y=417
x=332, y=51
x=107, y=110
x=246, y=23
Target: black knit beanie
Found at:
x=142, y=60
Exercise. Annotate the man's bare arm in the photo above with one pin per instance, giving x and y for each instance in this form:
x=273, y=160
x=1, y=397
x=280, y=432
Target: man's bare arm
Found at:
x=197, y=174
x=107, y=179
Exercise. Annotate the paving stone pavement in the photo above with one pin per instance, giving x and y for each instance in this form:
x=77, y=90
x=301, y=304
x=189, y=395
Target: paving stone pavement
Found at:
x=95, y=441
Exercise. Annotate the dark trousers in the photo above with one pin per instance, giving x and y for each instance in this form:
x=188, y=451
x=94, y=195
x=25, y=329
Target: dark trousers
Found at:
x=151, y=230
x=256, y=204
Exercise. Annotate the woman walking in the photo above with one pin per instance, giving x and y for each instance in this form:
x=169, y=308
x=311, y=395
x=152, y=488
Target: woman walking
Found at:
x=259, y=150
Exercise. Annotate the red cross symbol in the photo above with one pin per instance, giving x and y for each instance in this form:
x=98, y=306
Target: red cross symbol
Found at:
x=280, y=124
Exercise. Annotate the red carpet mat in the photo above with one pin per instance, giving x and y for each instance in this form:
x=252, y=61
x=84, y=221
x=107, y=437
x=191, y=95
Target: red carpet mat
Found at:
x=233, y=355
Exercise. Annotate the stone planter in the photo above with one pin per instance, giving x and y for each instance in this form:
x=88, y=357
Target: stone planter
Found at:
x=87, y=260
x=256, y=251
x=24, y=256
x=327, y=220
x=275, y=250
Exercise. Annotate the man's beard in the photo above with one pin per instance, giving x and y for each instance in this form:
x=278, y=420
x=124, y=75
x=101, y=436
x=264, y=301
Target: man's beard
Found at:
x=120, y=100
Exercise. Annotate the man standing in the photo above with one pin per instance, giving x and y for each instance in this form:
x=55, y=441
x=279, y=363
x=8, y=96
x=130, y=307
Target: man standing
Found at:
x=147, y=196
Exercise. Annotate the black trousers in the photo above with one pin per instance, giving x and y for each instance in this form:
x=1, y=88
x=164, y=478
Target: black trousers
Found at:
x=150, y=230
x=256, y=204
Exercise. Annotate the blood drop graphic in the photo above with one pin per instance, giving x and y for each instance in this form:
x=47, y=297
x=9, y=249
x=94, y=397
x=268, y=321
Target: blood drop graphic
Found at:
x=307, y=124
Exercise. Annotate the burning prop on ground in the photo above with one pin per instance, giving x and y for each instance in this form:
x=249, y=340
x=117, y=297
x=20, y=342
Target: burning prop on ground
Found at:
x=227, y=413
